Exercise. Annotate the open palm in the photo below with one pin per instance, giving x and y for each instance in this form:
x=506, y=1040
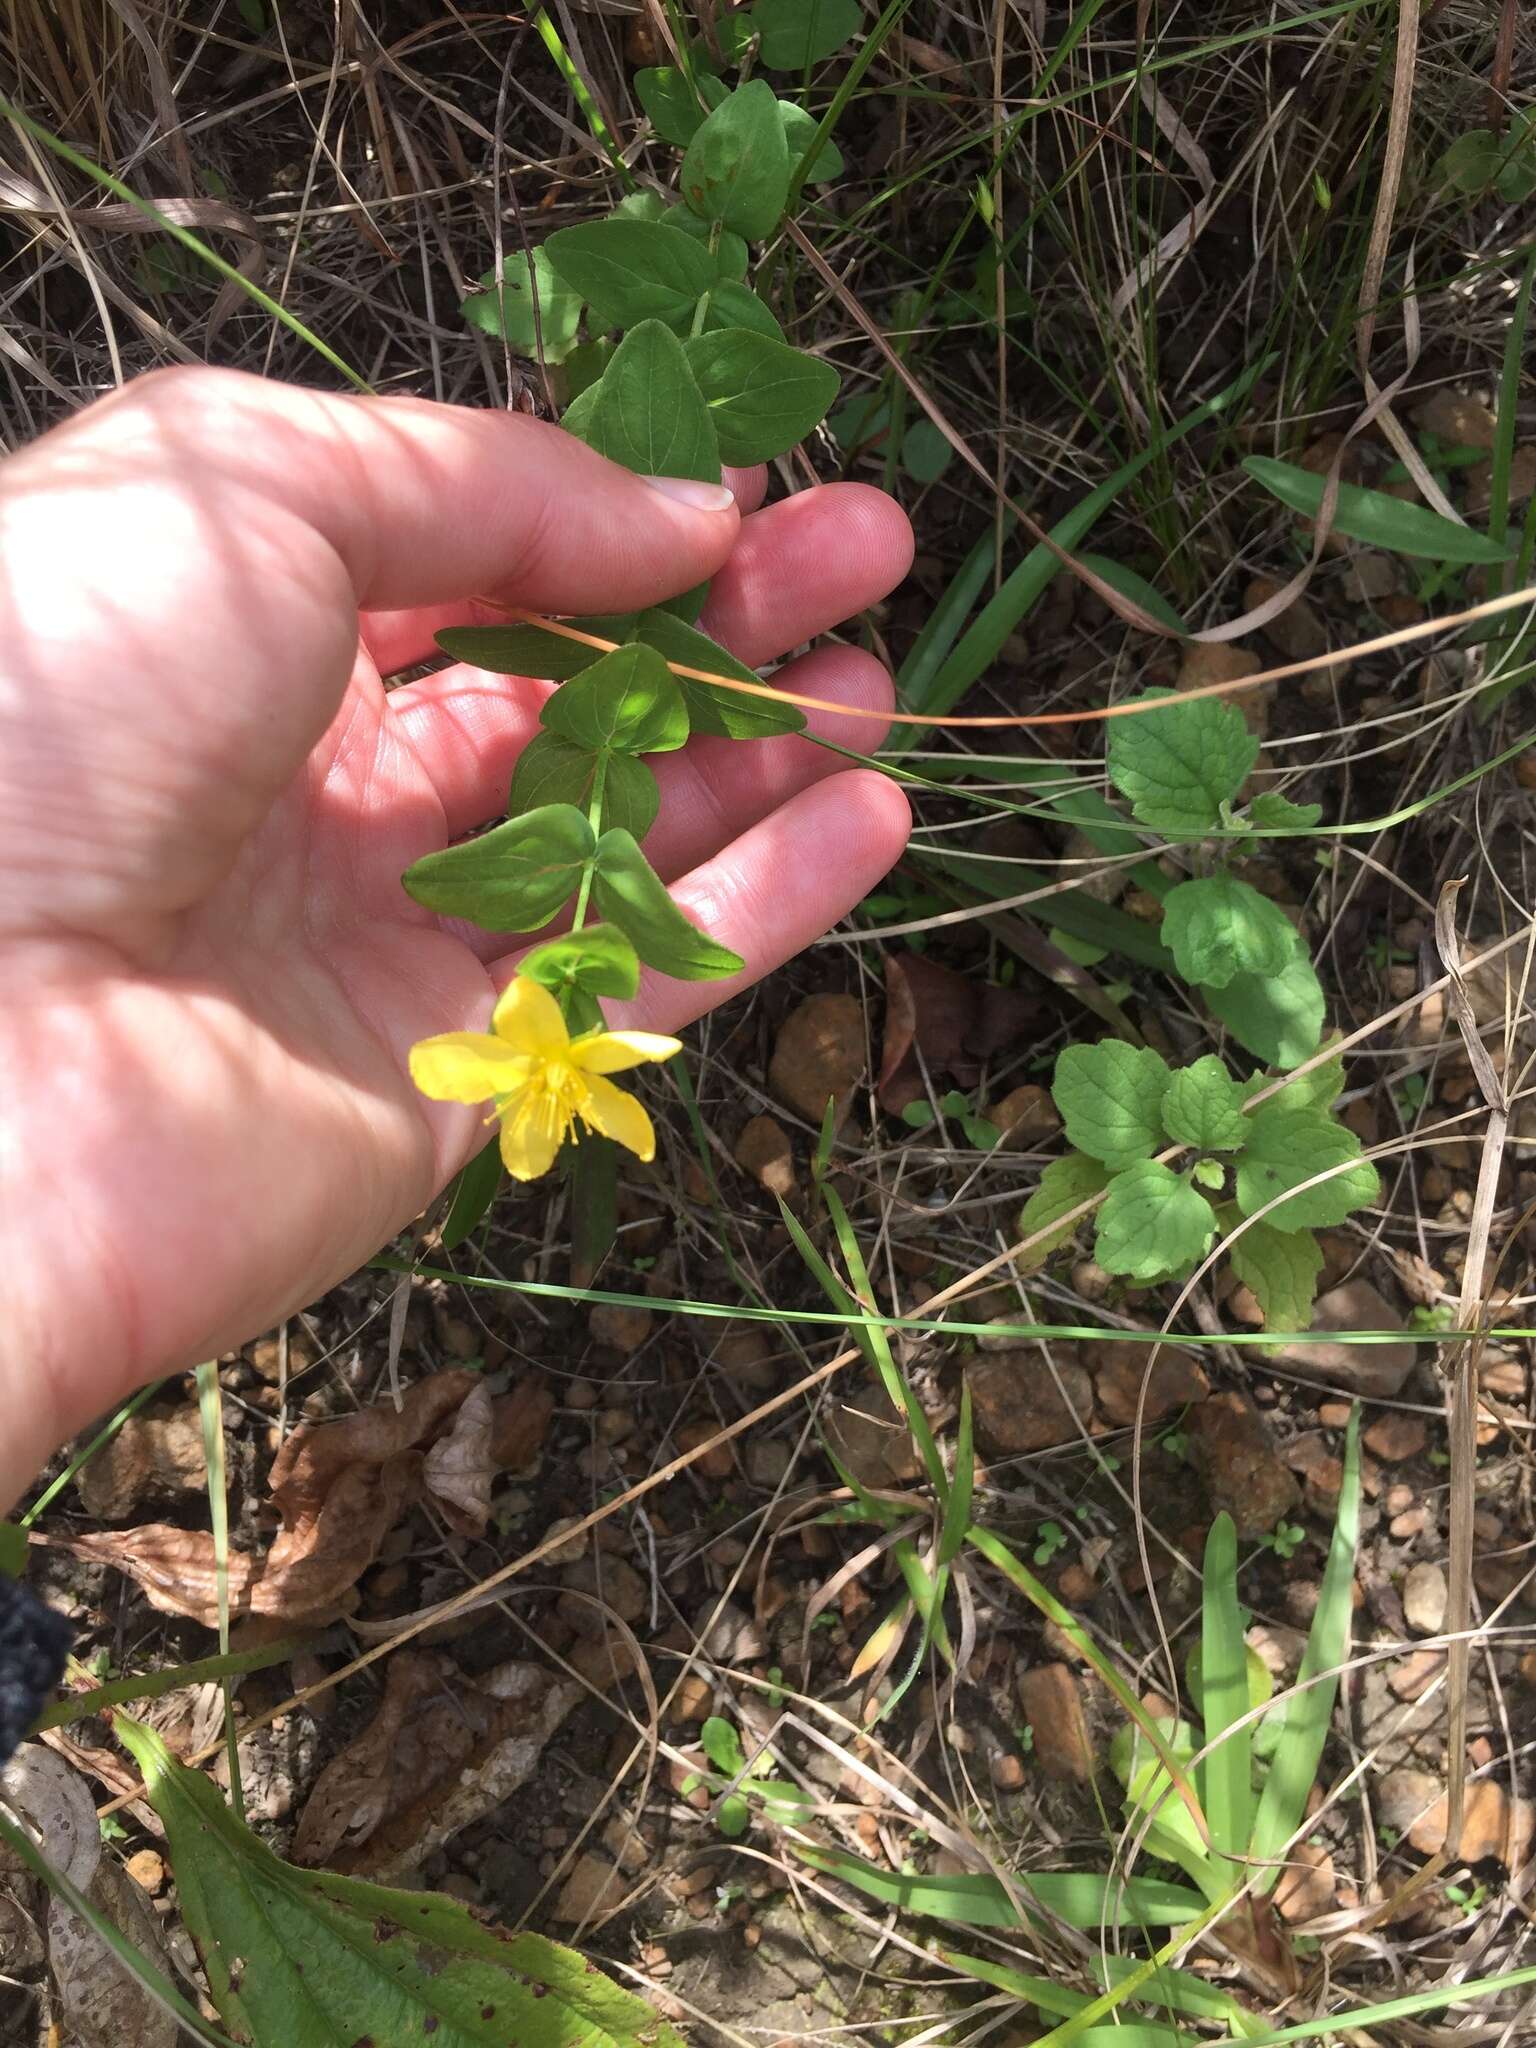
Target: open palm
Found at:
x=210, y=976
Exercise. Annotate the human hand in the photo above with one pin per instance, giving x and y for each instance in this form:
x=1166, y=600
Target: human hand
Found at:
x=210, y=976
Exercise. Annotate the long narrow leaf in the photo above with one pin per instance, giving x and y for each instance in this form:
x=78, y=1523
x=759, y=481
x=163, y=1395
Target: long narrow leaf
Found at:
x=1174, y=1990
x=1083, y=1899
x=957, y=1509
x=1227, y=1773
x=1308, y=1712
x=1373, y=517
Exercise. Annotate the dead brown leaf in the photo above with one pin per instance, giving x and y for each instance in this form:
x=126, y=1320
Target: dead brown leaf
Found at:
x=458, y=1470
x=954, y=1021
x=442, y=1751
x=340, y=1488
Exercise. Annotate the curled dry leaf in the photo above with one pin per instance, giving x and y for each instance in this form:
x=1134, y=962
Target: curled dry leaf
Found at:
x=458, y=1470
x=442, y=1751
x=340, y=1487
x=101, y=2006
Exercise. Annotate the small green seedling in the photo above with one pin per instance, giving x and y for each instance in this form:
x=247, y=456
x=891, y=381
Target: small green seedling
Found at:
x=1286, y=1538
x=737, y=1781
x=1052, y=1537
x=979, y=1131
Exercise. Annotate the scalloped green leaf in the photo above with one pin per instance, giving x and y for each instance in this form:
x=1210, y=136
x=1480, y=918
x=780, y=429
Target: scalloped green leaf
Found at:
x=1152, y=1223
x=1280, y=1268
x=1217, y=927
x=1064, y=1185
x=1111, y=1098
x=1204, y=1107
x=1179, y=765
x=1288, y=1146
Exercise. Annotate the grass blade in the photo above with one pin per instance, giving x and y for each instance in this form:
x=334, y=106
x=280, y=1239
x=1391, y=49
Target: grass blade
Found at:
x=1083, y=1899
x=1304, y=1730
x=1226, y=1776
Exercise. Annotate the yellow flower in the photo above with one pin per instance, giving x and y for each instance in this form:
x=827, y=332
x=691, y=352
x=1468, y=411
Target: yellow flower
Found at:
x=542, y=1081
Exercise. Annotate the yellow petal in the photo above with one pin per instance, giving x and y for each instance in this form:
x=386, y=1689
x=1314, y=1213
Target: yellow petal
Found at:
x=618, y=1116
x=532, y=1126
x=610, y=1052
x=528, y=1019
x=465, y=1066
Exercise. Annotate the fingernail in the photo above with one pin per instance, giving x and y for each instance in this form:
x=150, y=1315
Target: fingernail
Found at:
x=697, y=496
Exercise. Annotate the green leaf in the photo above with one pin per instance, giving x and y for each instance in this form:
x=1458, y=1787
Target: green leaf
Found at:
x=305, y=1956
x=712, y=709
x=641, y=206
x=13, y=1550
x=577, y=415
x=1308, y=1712
x=799, y=33
x=722, y=1745
x=1111, y=1097
x=736, y=170
x=763, y=396
x=1316, y=1090
x=1136, y=587
x=925, y=452
x=1218, y=927
x=733, y=1816
x=552, y=770
x=1204, y=1107
x=731, y=306
x=799, y=131
x=584, y=367
x=1280, y=1268
x=1273, y=812
x=632, y=270
x=1226, y=1776
x=670, y=103
x=1471, y=161
x=1178, y=766
x=1152, y=1222
x=648, y=414
x=598, y=959
x=512, y=878
x=1278, y=1017
x=1209, y=1173
x=860, y=421
x=625, y=703
x=1288, y=1146
x=730, y=255
x=1516, y=180
x=630, y=894
x=522, y=650
x=1064, y=1184
x=1378, y=520
x=506, y=309
x=1084, y=1899
x=471, y=1195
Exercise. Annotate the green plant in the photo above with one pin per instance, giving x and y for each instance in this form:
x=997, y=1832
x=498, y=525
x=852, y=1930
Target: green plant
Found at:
x=1253, y=1778
x=737, y=1779
x=1480, y=160
x=979, y=1130
x=1122, y=1104
x=1286, y=1538
x=683, y=367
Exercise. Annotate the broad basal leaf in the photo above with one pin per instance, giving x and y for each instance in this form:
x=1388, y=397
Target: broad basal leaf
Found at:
x=1280, y=1268
x=506, y=307
x=763, y=395
x=1111, y=1097
x=1152, y=1222
x=1279, y=1017
x=1288, y=1146
x=1178, y=766
x=304, y=1957
x=1217, y=927
x=736, y=170
x=630, y=894
x=1204, y=1107
x=1373, y=517
x=1314, y=1090
x=552, y=770
x=632, y=270
x=647, y=413
x=799, y=33
x=625, y=703
x=1064, y=1186
x=727, y=714
x=512, y=878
